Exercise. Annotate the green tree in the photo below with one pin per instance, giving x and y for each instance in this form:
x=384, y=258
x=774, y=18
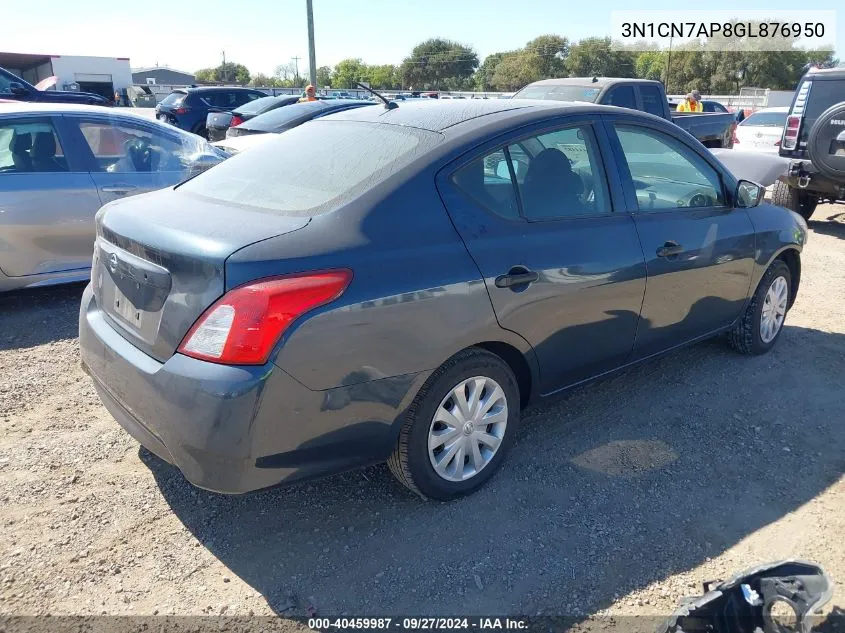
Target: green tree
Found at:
x=651, y=65
x=263, y=81
x=548, y=55
x=348, y=73
x=383, y=76
x=593, y=57
x=516, y=71
x=439, y=64
x=205, y=76
x=230, y=72
x=483, y=78
x=324, y=76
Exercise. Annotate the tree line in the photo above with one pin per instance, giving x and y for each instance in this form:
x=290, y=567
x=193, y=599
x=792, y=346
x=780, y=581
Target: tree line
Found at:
x=440, y=64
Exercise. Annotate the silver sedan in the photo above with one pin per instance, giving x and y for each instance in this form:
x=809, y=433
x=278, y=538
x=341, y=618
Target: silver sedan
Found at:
x=59, y=163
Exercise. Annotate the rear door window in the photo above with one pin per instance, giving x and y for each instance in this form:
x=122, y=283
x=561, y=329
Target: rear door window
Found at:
x=621, y=96
x=652, y=100
x=30, y=146
x=823, y=94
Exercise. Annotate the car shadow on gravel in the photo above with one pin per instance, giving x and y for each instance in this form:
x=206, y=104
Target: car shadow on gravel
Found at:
x=36, y=316
x=833, y=226
x=620, y=484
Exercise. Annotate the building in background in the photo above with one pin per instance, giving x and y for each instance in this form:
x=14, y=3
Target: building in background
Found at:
x=162, y=76
x=100, y=75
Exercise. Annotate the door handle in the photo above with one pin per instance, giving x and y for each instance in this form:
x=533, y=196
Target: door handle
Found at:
x=517, y=276
x=118, y=188
x=670, y=248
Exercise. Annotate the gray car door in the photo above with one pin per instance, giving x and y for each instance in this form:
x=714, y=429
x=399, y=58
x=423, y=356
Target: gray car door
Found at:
x=129, y=156
x=47, y=200
x=563, y=269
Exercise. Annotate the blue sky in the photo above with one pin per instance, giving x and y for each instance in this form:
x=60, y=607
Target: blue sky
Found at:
x=192, y=35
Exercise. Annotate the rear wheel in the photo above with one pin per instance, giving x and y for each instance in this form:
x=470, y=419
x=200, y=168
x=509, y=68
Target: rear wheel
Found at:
x=459, y=427
x=202, y=131
x=758, y=329
x=802, y=202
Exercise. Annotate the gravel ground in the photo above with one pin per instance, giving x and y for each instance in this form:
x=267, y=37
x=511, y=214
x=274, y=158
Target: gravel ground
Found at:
x=619, y=499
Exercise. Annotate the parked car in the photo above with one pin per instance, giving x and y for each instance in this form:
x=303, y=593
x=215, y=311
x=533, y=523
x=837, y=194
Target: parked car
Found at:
x=188, y=108
x=292, y=116
x=59, y=163
x=217, y=123
x=14, y=88
x=761, y=131
x=713, y=129
x=713, y=106
x=814, y=141
x=397, y=284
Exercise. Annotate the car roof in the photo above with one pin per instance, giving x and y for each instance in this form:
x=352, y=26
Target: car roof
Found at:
x=210, y=88
x=25, y=107
x=826, y=73
x=598, y=82
x=437, y=115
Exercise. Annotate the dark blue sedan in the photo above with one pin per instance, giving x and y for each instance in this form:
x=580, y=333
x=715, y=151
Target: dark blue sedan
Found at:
x=397, y=284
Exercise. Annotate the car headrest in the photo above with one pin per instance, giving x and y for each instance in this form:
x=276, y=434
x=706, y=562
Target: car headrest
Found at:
x=44, y=145
x=20, y=143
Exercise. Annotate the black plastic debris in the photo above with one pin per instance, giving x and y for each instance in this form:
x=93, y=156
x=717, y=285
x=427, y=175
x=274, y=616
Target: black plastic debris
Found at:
x=772, y=598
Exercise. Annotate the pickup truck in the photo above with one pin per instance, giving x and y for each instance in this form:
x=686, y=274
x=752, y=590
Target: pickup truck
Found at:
x=14, y=88
x=713, y=129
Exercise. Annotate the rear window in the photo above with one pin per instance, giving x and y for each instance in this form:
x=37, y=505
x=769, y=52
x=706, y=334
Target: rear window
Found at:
x=765, y=119
x=280, y=117
x=559, y=93
x=291, y=175
x=256, y=106
x=823, y=94
x=173, y=98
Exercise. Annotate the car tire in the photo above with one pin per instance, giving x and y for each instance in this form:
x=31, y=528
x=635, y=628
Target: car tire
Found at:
x=771, y=299
x=202, y=131
x=802, y=202
x=482, y=378
x=826, y=131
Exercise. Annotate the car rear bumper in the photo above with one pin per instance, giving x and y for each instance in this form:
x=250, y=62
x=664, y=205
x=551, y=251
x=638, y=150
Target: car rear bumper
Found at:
x=237, y=429
x=802, y=174
x=216, y=133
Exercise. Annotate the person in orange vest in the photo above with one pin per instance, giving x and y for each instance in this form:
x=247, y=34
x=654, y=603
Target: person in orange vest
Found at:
x=692, y=103
x=310, y=94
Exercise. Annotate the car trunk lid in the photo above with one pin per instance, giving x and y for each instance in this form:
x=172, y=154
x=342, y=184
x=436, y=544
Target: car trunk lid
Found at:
x=159, y=261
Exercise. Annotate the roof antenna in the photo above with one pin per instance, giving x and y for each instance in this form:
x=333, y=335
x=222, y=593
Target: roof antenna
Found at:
x=388, y=104
x=595, y=79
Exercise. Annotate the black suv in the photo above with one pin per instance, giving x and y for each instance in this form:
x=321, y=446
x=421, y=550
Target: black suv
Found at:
x=187, y=108
x=814, y=137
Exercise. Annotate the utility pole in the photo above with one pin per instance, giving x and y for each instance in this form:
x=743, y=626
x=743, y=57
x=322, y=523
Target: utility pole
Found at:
x=223, y=67
x=296, y=72
x=312, y=54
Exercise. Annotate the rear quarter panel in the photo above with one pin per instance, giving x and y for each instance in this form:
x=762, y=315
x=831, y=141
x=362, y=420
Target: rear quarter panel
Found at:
x=416, y=297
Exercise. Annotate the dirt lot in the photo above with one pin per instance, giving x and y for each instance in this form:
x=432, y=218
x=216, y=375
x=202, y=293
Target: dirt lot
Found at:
x=620, y=498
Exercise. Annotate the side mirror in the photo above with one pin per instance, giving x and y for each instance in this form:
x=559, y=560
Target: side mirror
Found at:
x=201, y=162
x=17, y=89
x=749, y=194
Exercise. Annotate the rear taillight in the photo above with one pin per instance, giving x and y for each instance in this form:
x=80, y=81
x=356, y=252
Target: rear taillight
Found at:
x=244, y=325
x=181, y=110
x=236, y=120
x=790, y=131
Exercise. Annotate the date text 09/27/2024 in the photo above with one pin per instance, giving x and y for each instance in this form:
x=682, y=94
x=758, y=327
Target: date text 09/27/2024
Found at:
x=416, y=624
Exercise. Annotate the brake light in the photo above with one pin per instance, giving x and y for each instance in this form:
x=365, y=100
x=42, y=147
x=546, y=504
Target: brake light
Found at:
x=244, y=325
x=790, y=132
x=180, y=110
x=236, y=120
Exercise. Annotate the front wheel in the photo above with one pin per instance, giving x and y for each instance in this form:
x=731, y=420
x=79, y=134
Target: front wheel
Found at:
x=459, y=428
x=760, y=325
x=798, y=200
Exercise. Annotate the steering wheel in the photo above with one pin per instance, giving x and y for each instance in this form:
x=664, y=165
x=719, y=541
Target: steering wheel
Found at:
x=140, y=153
